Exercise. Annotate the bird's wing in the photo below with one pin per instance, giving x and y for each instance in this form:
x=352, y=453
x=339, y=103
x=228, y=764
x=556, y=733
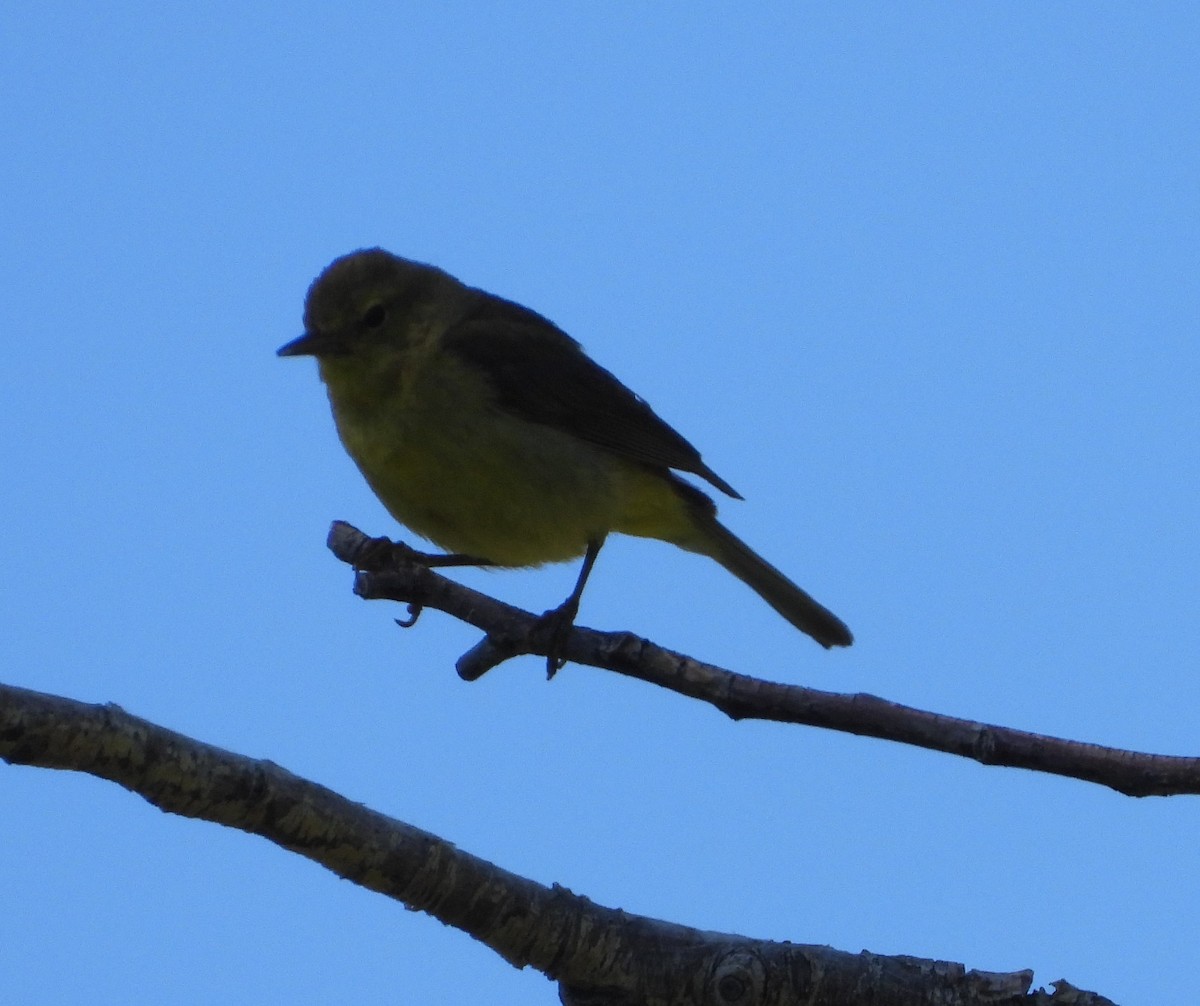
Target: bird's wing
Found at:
x=541, y=374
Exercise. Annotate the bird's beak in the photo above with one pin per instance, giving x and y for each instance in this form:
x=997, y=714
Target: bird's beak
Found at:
x=308, y=344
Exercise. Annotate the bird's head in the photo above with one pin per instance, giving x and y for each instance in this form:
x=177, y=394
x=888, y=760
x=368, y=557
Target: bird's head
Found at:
x=368, y=301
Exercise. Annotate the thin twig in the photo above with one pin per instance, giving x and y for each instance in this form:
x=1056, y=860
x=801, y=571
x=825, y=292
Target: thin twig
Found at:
x=387, y=571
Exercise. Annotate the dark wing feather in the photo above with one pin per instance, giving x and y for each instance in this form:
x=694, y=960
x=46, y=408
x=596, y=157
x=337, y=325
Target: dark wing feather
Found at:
x=541, y=374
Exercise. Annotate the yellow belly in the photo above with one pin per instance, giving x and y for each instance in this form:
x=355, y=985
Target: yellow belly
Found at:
x=476, y=480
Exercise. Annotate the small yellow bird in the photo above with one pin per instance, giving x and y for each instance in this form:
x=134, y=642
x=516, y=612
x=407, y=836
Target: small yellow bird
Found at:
x=485, y=428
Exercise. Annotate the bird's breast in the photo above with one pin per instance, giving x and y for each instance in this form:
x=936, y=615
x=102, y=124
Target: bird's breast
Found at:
x=454, y=468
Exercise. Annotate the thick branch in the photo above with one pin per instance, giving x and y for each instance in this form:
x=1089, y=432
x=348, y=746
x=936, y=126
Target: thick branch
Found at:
x=393, y=572
x=598, y=955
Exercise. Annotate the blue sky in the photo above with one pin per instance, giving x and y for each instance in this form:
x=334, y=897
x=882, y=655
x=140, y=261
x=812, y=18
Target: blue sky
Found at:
x=921, y=281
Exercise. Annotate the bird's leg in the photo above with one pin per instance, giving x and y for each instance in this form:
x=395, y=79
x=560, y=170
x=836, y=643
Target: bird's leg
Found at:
x=558, y=621
x=378, y=554
x=434, y=560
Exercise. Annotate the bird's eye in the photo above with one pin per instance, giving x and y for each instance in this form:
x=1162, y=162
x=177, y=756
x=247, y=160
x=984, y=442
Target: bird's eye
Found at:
x=374, y=315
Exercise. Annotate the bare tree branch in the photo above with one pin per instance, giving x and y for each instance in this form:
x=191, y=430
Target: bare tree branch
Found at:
x=390, y=571
x=597, y=955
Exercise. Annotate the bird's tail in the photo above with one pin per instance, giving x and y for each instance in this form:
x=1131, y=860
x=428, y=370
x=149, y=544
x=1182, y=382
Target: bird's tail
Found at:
x=772, y=586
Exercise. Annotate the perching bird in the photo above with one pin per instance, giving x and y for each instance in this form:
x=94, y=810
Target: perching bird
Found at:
x=486, y=429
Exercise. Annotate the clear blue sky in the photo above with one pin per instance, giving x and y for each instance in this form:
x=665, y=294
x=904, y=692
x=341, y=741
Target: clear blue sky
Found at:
x=920, y=280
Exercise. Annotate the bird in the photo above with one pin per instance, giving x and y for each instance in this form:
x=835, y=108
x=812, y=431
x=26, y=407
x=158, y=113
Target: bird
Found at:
x=484, y=428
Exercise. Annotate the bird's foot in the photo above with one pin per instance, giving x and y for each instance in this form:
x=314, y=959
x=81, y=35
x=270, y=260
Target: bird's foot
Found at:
x=554, y=626
x=414, y=612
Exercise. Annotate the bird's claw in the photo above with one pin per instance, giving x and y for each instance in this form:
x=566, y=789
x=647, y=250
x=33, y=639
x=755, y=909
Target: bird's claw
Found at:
x=556, y=624
x=414, y=612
